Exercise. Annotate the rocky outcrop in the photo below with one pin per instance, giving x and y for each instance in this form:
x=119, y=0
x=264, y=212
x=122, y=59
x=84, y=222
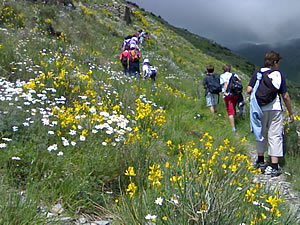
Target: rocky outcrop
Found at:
x=56, y=2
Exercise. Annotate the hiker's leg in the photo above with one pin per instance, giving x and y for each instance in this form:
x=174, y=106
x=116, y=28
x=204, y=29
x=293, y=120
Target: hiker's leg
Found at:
x=131, y=69
x=275, y=137
x=153, y=75
x=215, y=99
x=274, y=159
x=211, y=101
x=138, y=69
x=230, y=102
x=262, y=146
x=126, y=71
x=231, y=120
x=215, y=108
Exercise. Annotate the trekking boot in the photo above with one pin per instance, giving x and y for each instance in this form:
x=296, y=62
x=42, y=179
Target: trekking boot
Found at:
x=273, y=172
x=268, y=170
x=261, y=165
x=276, y=173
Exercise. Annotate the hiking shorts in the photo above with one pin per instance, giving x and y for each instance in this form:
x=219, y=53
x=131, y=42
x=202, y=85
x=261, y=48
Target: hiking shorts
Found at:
x=211, y=99
x=230, y=102
x=272, y=131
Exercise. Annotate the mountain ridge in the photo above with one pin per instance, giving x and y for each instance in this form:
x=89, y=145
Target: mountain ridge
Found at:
x=290, y=64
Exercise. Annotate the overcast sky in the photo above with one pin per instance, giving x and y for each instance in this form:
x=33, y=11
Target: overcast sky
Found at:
x=232, y=22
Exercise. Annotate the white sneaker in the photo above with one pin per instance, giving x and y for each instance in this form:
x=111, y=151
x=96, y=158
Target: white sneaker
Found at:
x=268, y=170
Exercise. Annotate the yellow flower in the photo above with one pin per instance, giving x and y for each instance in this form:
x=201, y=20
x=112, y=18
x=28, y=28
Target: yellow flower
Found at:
x=226, y=141
x=169, y=142
x=155, y=175
x=167, y=165
x=233, y=167
x=243, y=140
x=175, y=179
x=130, y=172
x=131, y=189
x=277, y=213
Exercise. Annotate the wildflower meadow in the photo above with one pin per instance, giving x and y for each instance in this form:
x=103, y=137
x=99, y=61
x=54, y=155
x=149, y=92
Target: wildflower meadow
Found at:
x=76, y=131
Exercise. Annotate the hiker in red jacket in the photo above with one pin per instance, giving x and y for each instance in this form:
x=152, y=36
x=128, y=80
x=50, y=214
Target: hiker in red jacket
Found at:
x=124, y=58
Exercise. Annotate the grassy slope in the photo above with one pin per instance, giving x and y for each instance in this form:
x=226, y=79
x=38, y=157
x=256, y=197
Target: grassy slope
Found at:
x=93, y=37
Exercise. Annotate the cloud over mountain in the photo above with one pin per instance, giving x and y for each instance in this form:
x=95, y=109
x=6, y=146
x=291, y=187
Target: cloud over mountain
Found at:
x=232, y=22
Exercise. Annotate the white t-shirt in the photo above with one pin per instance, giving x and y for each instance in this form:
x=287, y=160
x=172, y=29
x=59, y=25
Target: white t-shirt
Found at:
x=225, y=77
x=146, y=70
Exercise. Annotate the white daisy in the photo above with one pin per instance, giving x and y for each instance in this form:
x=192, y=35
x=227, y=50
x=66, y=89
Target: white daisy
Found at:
x=3, y=145
x=82, y=138
x=72, y=132
x=16, y=158
x=159, y=201
x=150, y=217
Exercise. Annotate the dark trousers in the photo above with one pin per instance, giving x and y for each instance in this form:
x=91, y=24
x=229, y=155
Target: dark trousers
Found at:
x=126, y=70
x=134, y=69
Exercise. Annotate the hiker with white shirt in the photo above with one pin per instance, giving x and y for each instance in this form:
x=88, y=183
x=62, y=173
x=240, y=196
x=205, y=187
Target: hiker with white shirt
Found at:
x=148, y=70
x=266, y=86
x=230, y=95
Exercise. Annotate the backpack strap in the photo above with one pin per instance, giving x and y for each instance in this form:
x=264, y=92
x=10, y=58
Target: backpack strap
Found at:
x=266, y=72
x=229, y=81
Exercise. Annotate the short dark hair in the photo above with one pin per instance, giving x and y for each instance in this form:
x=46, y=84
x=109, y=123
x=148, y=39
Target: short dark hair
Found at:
x=226, y=68
x=272, y=57
x=210, y=68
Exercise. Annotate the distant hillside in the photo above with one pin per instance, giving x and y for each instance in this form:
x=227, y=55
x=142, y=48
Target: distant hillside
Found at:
x=214, y=49
x=290, y=51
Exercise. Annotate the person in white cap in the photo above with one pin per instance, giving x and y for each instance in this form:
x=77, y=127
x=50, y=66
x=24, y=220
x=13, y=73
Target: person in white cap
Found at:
x=148, y=70
x=133, y=41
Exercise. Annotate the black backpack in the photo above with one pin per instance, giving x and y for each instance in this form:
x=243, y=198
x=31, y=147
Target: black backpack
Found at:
x=124, y=61
x=266, y=92
x=234, y=86
x=214, y=85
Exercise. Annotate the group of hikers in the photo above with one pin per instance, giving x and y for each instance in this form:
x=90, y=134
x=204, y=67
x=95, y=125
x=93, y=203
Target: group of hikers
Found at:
x=265, y=88
x=266, y=118
x=130, y=57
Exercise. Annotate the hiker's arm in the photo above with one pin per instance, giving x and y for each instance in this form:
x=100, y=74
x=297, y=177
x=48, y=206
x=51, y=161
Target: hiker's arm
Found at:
x=204, y=83
x=287, y=102
x=249, y=90
x=225, y=89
